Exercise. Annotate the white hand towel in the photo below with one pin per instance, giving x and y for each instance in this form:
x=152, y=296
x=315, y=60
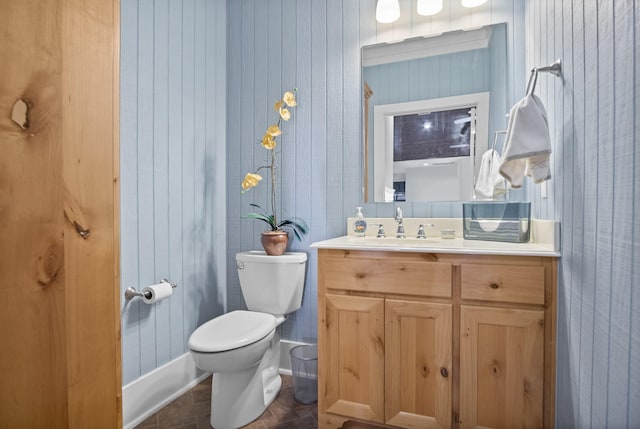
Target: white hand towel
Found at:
x=490, y=183
x=527, y=145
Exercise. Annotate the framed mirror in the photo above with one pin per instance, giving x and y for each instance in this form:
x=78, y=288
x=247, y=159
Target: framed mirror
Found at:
x=432, y=107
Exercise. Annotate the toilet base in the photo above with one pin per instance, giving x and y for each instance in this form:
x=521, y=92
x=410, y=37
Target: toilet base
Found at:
x=240, y=397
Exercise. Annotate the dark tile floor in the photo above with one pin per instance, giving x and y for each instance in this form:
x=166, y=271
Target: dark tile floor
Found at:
x=192, y=411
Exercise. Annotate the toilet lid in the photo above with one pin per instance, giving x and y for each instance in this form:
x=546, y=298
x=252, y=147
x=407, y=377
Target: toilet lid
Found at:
x=231, y=331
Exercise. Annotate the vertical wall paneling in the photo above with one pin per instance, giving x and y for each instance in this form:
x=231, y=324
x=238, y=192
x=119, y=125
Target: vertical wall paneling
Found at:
x=590, y=219
x=633, y=411
x=202, y=305
x=604, y=220
x=173, y=153
x=216, y=168
x=318, y=126
x=288, y=199
x=161, y=168
x=634, y=366
x=145, y=99
x=171, y=126
x=573, y=136
x=335, y=93
x=622, y=229
x=593, y=124
x=235, y=160
x=129, y=186
x=188, y=164
x=303, y=160
x=250, y=153
x=175, y=172
x=352, y=106
x=315, y=45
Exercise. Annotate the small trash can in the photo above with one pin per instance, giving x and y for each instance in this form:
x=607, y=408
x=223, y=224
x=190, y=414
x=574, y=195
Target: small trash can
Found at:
x=304, y=369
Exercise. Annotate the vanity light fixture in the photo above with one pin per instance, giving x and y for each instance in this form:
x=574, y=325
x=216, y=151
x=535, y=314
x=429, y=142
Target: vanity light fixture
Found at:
x=473, y=3
x=429, y=7
x=387, y=11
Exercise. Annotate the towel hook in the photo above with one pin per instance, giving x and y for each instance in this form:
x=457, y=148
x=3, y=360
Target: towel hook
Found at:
x=495, y=138
x=555, y=69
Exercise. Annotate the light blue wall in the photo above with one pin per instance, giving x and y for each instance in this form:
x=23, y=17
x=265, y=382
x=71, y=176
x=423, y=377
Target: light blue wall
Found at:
x=431, y=77
x=172, y=156
x=315, y=46
x=595, y=194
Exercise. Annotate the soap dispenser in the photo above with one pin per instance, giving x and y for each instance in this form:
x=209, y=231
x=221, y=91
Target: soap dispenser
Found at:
x=360, y=225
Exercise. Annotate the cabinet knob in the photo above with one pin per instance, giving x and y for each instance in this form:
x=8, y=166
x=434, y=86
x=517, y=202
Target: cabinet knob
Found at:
x=494, y=285
x=444, y=372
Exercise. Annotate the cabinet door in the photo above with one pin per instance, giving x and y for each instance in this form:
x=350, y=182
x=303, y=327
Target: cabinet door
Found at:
x=501, y=367
x=418, y=364
x=352, y=359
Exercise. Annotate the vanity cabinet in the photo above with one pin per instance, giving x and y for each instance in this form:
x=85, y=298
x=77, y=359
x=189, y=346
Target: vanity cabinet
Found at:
x=435, y=340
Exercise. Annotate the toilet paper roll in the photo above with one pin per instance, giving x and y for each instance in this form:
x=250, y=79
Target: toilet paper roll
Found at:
x=156, y=292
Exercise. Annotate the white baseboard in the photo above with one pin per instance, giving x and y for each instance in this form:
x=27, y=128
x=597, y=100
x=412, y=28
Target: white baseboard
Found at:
x=143, y=397
x=285, y=359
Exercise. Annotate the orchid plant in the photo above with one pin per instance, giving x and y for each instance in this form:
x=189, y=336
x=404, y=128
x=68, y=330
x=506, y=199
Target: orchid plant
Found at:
x=297, y=226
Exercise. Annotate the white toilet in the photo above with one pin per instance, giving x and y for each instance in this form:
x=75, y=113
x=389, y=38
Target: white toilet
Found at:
x=242, y=348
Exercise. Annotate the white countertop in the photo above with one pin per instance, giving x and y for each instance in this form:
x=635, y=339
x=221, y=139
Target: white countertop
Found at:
x=438, y=245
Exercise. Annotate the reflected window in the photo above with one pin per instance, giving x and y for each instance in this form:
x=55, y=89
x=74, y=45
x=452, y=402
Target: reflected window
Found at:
x=432, y=135
x=430, y=146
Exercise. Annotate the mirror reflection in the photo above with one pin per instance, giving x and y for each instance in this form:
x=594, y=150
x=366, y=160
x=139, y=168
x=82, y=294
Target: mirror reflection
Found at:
x=431, y=108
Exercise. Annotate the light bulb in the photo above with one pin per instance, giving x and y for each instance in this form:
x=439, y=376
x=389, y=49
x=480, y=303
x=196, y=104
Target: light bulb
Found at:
x=429, y=7
x=473, y=3
x=387, y=11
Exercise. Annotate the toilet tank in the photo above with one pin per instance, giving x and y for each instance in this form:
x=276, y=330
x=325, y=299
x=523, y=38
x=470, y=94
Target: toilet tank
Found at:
x=272, y=284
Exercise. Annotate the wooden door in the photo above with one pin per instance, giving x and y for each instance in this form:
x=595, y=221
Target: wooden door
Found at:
x=418, y=364
x=501, y=367
x=59, y=291
x=352, y=359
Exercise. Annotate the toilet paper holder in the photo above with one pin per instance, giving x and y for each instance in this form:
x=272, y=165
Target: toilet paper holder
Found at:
x=131, y=291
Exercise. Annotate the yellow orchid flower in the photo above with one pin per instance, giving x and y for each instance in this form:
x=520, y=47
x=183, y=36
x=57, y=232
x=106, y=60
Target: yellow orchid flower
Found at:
x=284, y=113
x=268, y=142
x=274, y=130
x=290, y=99
x=250, y=180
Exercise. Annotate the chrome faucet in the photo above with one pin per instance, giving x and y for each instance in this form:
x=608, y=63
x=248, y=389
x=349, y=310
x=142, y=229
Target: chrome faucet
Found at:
x=400, y=231
x=421, y=234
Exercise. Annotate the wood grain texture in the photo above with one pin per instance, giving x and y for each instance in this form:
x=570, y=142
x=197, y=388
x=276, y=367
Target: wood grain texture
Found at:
x=501, y=357
x=418, y=364
x=32, y=308
x=61, y=364
x=496, y=369
x=375, y=275
x=523, y=284
x=354, y=357
x=90, y=150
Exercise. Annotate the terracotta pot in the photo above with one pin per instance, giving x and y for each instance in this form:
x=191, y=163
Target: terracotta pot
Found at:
x=274, y=242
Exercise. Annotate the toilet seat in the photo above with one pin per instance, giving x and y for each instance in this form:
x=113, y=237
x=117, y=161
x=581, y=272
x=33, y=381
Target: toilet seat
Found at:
x=231, y=331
